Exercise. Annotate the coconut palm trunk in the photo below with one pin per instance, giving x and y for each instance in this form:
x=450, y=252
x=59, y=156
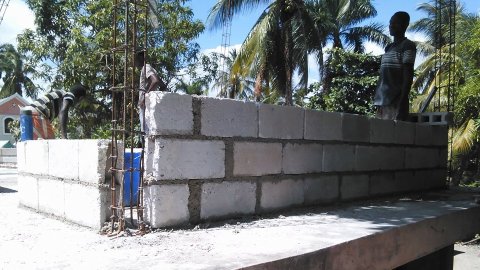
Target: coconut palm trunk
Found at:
x=288, y=65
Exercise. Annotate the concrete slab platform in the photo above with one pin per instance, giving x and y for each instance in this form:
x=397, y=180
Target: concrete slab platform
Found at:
x=381, y=235
x=387, y=232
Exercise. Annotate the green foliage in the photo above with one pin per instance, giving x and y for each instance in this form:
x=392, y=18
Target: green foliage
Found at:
x=15, y=73
x=354, y=82
x=200, y=75
x=14, y=127
x=171, y=43
x=277, y=45
x=468, y=99
x=466, y=144
x=74, y=39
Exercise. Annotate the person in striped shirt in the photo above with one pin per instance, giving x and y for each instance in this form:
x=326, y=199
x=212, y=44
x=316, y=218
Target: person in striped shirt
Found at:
x=51, y=105
x=396, y=71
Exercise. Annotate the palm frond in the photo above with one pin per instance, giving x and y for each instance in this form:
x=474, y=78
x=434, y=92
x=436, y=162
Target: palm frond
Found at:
x=465, y=136
x=224, y=10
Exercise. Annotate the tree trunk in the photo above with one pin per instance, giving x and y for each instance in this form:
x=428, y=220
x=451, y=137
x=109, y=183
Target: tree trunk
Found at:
x=288, y=64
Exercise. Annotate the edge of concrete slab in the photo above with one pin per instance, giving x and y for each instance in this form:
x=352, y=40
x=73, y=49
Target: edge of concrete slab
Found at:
x=387, y=249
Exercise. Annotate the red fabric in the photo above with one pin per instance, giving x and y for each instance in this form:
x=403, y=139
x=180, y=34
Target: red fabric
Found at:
x=42, y=128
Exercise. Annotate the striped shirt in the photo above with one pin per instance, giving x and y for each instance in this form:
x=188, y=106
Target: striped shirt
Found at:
x=391, y=71
x=50, y=104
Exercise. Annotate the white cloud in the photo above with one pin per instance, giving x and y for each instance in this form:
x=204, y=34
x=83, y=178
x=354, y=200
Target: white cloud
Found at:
x=17, y=18
x=416, y=36
x=373, y=48
x=220, y=49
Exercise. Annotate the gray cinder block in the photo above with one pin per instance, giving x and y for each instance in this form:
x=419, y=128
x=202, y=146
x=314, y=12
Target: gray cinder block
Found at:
x=227, y=198
x=168, y=113
x=36, y=157
x=63, y=159
x=280, y=122
x=355, y=128
x=94, y=160
x=423, y=135
x=321, y=189
x=338, y=157
x=421, y=157
x=354, y=186
x=187, y=159
x=166, y=205
x=228, y=118
x=320, y=125
x=406, y=181
x=382, y=131
x=256, y=158
x=281, y=194
x=384, y=183
x=86, y=205
x=302, y=158
x=28, y=191
x=371, y=158
x=439, y=135
x=51, y=196
x=404, y=132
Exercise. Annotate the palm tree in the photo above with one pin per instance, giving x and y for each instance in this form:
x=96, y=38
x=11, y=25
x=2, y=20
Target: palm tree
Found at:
x=277, y=45
x=337, y=21
x=438, y=49
x=459, y=58
x=232, y=85
x=14, y=73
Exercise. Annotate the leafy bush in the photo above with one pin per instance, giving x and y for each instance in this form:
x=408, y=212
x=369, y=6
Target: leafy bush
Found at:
x=354, y=80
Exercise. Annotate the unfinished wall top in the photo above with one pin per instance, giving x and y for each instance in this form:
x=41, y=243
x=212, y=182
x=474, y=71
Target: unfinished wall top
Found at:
x=177, y=114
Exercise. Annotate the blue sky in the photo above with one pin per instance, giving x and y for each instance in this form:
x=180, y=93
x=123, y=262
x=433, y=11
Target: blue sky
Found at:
x=12, y=24
x=18, y=17
x=243, y=23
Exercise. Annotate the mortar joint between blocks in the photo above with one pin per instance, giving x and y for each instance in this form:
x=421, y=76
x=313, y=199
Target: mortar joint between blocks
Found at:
x=197, y=115
x=194, y=201
x=229, y=160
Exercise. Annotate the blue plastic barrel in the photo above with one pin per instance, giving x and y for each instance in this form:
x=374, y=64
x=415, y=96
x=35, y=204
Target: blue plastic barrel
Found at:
x=26, y=125
x=131, y=180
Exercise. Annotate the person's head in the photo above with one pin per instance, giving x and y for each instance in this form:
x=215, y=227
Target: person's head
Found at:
x=79, y=91
x=139, y=59
x=399, y=23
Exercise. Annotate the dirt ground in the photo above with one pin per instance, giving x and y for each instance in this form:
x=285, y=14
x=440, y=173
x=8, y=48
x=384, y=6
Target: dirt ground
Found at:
x=29, y=240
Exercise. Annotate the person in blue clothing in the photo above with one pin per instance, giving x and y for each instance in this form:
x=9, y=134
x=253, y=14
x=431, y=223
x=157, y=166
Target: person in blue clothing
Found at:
x=396, y=71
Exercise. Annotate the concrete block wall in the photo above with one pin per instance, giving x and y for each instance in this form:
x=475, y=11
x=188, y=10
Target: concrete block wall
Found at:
x=210, y=158
x=8, y=155
x=66, y=178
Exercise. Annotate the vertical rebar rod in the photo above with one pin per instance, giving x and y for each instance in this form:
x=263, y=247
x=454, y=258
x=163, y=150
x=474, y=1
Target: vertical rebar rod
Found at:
x=140, y=205
x=438, y=51
x=452, y=79
x=114, y=146
x=132, y=98
x=123, y=113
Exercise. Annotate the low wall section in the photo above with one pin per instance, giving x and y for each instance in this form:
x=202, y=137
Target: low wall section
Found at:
x=66, y=178
x=209, y=158
x=8, y=155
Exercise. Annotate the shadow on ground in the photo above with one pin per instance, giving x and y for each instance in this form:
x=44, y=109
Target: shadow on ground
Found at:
x=7, y=190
